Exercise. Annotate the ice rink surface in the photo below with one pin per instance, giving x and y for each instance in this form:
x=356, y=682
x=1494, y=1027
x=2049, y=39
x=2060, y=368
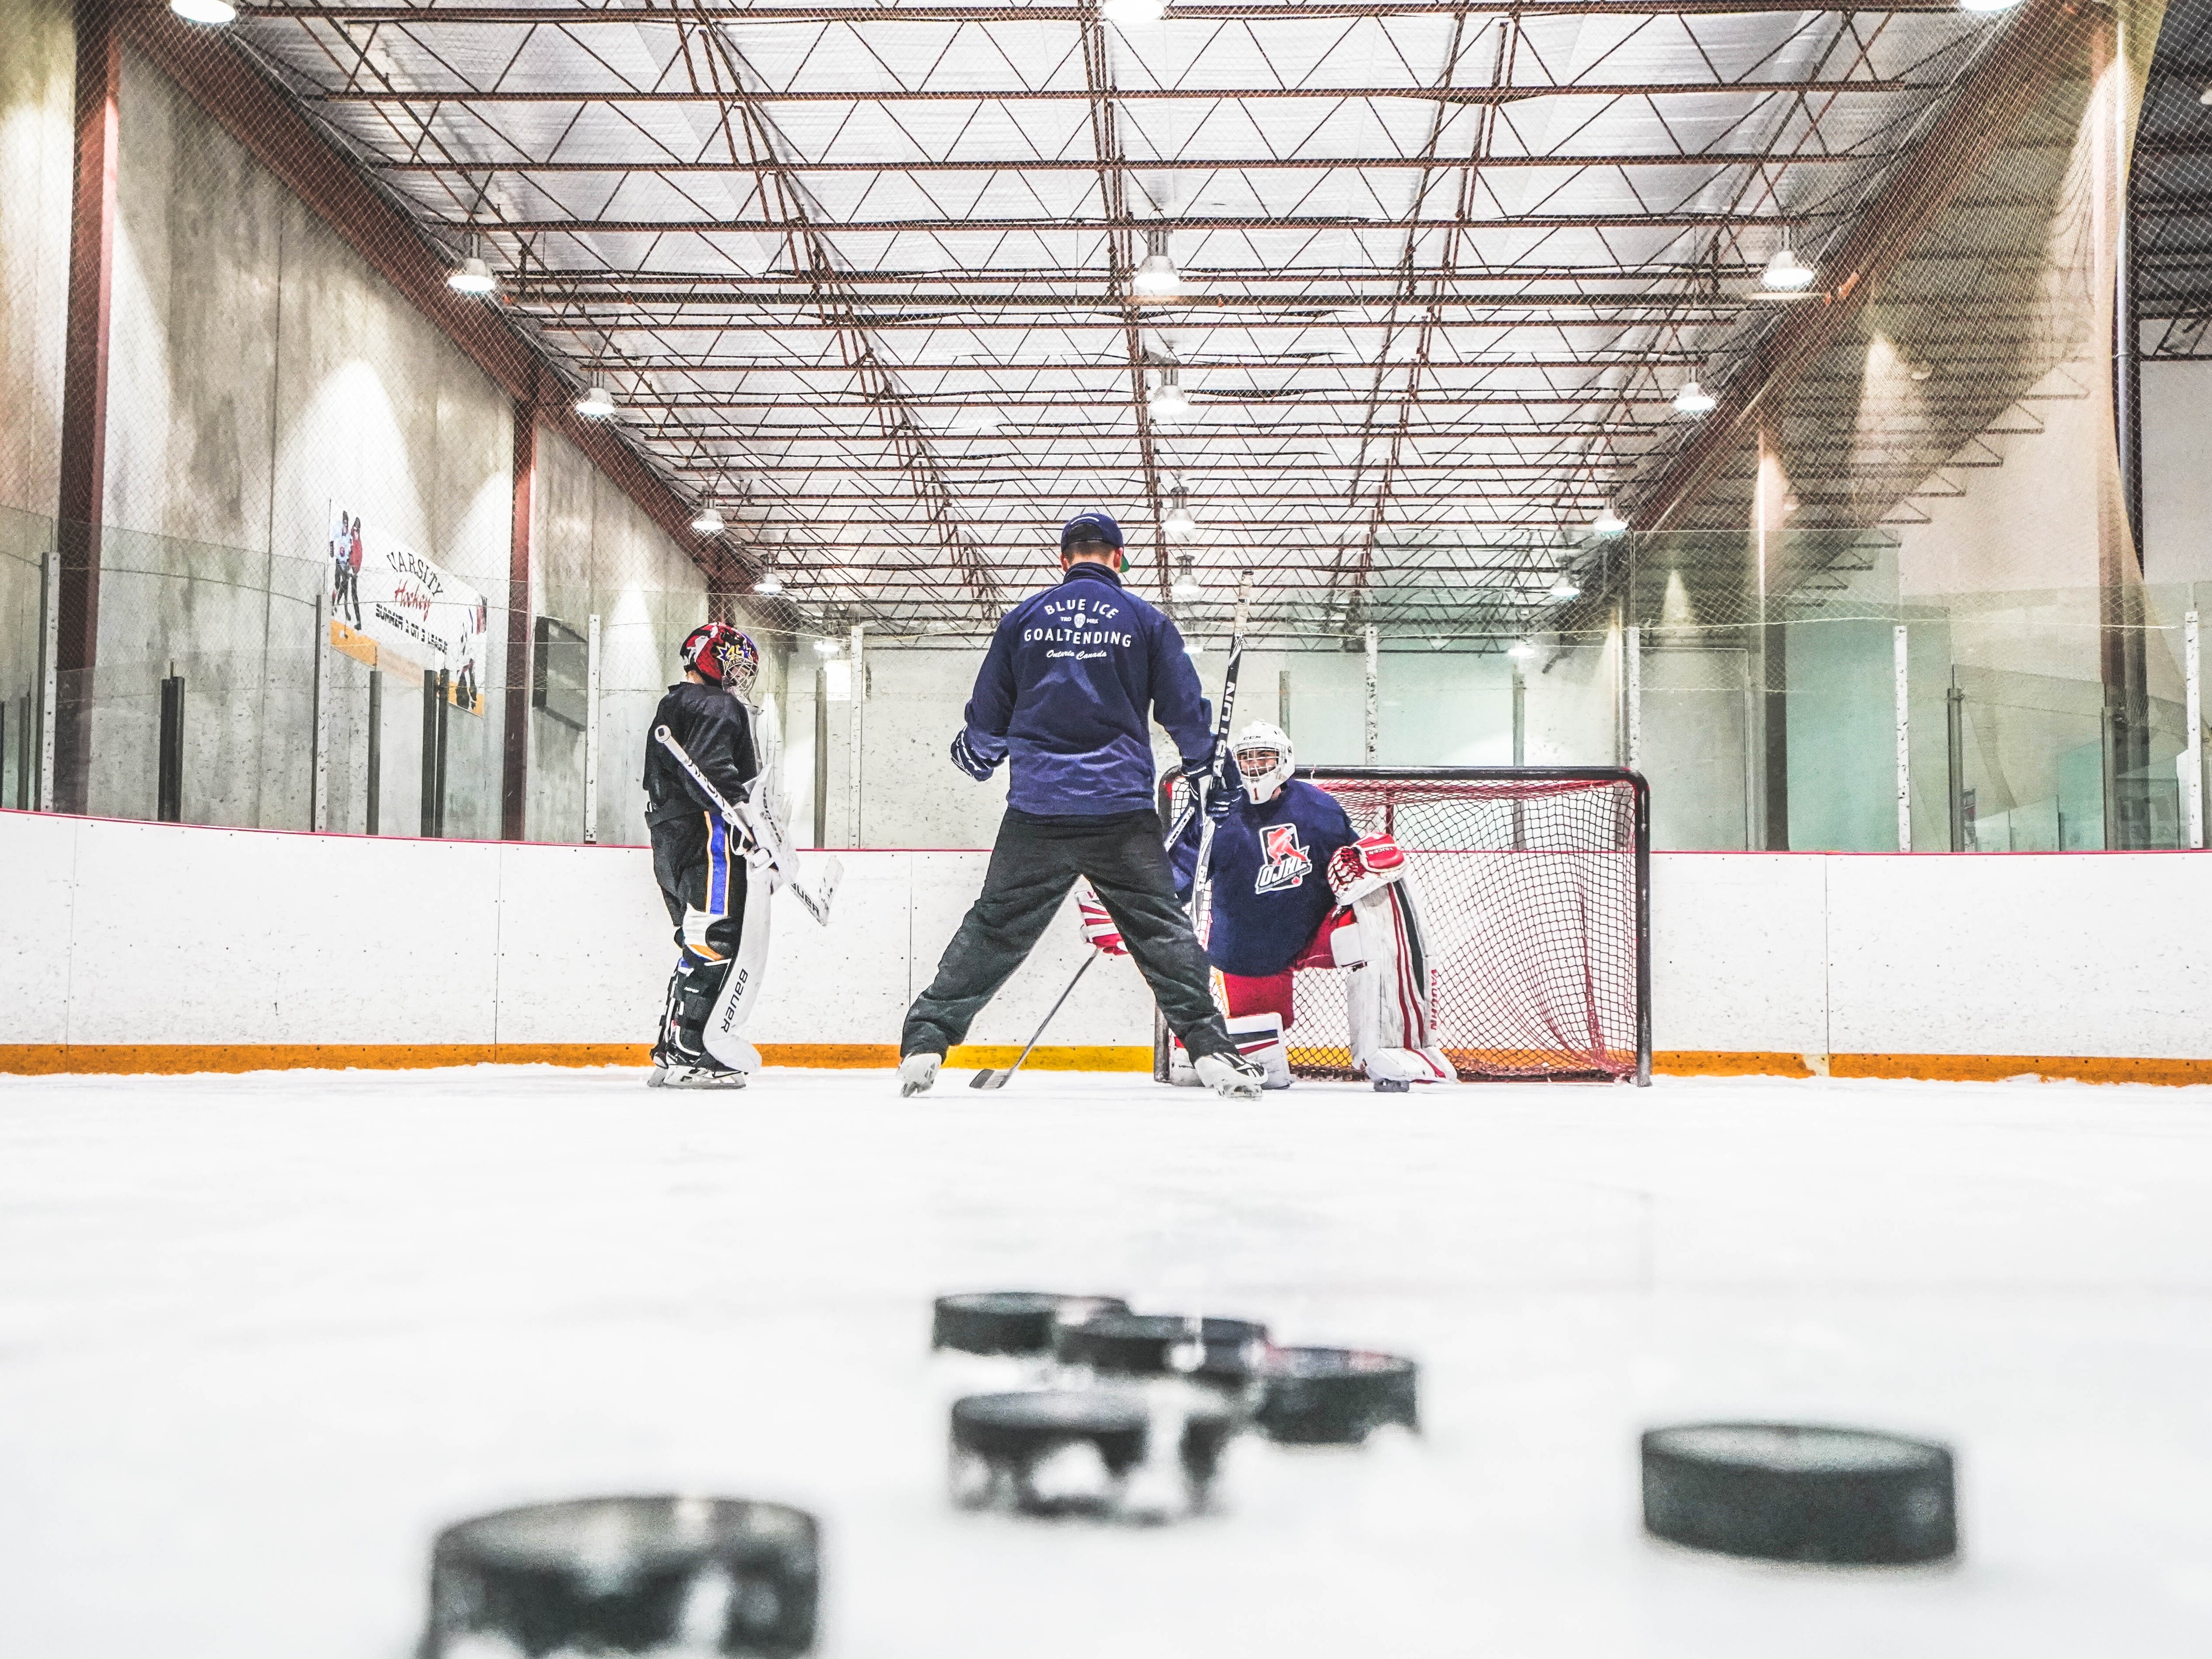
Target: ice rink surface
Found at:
x=260, y=1336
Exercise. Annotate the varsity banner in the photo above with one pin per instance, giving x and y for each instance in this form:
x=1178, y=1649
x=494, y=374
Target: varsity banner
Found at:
x=395, y=609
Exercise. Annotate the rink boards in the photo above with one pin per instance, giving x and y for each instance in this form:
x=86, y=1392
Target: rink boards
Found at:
x=136, y=946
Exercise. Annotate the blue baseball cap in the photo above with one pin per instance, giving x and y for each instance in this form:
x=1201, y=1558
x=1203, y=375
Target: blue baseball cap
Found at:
x=1092, y=527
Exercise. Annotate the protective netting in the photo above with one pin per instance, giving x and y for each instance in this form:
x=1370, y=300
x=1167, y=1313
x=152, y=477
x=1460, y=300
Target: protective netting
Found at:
x=1527, y=888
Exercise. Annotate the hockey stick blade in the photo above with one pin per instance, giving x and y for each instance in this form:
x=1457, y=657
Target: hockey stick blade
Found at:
x=988, y=1080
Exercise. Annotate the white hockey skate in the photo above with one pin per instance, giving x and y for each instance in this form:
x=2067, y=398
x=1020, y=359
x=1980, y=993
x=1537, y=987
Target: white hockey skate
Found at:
x=1230, y=1076
x=917, y=1072
x=677, y=1075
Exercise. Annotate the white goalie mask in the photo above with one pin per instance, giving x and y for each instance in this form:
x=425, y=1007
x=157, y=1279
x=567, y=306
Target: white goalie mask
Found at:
x=1269, y=746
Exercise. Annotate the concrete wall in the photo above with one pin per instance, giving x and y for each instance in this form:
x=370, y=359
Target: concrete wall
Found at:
x=37, y=73
x=37, y=76
x=449, y=943
x=1453, y=707
x=259, y=374
x=599, y=554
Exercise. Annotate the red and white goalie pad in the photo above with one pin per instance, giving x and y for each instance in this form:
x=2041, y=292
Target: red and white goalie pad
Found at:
x=1368, y=864
x=1391, y=1038
x=1100, y=930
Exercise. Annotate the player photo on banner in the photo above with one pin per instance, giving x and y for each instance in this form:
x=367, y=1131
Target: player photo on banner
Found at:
x=395, y=609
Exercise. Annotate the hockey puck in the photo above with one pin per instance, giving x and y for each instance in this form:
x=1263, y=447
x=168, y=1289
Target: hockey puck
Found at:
x=1011, y=1321
x=1785, y=1492
x=1225, y=1351
x=1046, y=1453
x=628, y=1575
x=1333, y=1397
x=1393, y=1085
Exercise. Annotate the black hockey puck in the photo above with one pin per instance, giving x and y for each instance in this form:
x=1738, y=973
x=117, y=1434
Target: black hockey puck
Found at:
x=1014, y=1431
x=1333, y=1397
x=1226, y=1351
x=1393, y=1085
x=628, y=1575
x=1012, y=1321
x=1786, y=1491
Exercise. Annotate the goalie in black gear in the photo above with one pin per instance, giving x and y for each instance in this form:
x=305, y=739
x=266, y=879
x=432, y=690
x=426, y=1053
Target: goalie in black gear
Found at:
x=718, y=905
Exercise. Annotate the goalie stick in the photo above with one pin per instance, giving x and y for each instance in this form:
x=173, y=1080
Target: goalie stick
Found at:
x=761, y=834
x=1198, y=882
x=999, y=1080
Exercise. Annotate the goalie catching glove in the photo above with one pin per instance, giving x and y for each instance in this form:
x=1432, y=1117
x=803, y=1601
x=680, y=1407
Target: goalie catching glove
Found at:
x=1369, y=864
x=1099, y=928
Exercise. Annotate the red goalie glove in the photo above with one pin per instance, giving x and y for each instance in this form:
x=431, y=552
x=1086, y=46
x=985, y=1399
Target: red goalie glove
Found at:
x=1371, y=862
x=1098, y=928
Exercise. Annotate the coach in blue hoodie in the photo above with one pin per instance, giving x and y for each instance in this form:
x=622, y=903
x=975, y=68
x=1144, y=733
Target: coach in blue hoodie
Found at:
x=1073, y=676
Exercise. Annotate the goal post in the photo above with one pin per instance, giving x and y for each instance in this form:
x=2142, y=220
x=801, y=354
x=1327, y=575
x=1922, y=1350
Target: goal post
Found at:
x=1533, y=884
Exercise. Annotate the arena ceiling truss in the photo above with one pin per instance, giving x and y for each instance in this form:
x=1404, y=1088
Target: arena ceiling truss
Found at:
x=872, y=280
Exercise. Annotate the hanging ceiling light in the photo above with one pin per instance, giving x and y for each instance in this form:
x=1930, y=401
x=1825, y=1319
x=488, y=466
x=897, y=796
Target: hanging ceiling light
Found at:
x=826, y=647
x=1922, y=371
x=1563, y=589
x=214, y=13
x=1608, y=522
x=708, y=522
x=1694, y=399
x=1187, y=585
x=1987, y=5
x=1192, y=648
x=1132, y=14
x=1155, y=275
x=1179, y=521
x=768, y=583
x=1167, y=401
x=1521, y=650
x=1785, y=272
x=598, y=403
x=1438, y=644
x=473, y=278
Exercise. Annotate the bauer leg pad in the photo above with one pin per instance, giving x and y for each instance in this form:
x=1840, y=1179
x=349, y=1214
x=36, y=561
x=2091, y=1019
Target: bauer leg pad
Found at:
x=1392, y=1040
x=740, y=987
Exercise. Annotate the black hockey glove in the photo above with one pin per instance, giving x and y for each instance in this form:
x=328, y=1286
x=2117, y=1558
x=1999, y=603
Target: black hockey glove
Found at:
x=1225, y=799
x=965, y=758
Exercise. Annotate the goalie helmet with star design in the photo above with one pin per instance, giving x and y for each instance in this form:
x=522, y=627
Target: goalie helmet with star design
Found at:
x=722, y=655
x=1269, y=746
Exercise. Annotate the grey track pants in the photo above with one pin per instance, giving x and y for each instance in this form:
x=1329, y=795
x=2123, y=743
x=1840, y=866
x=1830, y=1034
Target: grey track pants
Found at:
x=1033, y=865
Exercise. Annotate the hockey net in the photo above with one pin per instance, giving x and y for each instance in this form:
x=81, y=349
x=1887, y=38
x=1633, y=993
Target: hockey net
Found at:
x=1532, y=886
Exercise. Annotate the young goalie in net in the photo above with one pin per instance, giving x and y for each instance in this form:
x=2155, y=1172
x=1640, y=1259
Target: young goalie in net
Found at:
x=1292, y=886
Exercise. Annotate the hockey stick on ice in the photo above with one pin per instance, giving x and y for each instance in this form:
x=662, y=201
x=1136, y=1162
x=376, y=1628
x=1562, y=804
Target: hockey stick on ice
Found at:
x=757, y=854
x=998, y=1079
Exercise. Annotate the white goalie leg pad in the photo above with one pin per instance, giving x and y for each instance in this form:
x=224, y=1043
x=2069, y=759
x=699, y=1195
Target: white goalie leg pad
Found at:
x=1391, y=1038
x=1181, y=1072
x=725, y=1020
x=1259, y=1038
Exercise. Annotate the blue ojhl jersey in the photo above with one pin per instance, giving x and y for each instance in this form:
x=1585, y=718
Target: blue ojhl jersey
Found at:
x=1066, y=689
x=1270, y=875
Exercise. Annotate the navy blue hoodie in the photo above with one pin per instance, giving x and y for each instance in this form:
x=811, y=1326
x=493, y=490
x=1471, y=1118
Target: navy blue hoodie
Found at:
x=1065, y=689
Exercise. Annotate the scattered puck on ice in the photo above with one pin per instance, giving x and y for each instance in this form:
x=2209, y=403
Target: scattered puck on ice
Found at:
x=628, y=1575
x=1226, y=1351
x=1333, y=1397
x=1784, y=1491
x=1013, y=1450
x=1393, y=1085
x=1012, y=1321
